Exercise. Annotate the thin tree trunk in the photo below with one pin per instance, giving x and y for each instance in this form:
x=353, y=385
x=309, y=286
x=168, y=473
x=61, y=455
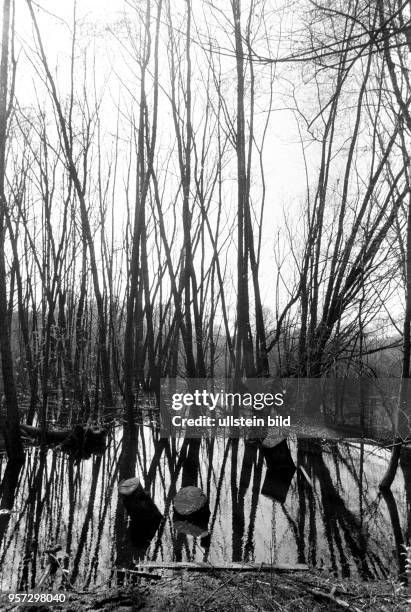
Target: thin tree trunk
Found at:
x=12, y=429
x=65, y=129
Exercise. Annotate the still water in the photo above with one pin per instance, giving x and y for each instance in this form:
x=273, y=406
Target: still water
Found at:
x=328, y=512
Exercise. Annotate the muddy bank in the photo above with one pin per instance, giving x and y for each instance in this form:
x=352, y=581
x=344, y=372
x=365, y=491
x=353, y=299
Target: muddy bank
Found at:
x=234, y=592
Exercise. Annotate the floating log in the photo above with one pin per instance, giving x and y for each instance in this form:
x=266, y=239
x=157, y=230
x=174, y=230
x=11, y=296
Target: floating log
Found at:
x=233, y=567
x=189, y=500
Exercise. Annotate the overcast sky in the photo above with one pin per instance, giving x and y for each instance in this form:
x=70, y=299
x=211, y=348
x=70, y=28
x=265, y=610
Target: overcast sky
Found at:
x=111, y=69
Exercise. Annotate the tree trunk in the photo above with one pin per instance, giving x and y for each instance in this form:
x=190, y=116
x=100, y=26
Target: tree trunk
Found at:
x=244, y=346
x=12, y=430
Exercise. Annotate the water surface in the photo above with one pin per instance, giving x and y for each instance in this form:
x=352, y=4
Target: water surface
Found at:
x=330, y=514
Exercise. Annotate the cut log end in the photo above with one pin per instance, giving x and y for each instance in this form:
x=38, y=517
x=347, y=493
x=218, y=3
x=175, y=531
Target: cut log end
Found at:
x=189, y=500
x=129, y=486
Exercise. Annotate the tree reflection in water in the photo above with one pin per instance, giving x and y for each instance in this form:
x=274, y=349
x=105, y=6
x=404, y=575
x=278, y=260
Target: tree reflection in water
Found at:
x=330, y=515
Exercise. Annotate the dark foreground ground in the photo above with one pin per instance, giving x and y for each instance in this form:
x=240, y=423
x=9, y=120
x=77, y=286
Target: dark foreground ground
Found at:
x=252, y=591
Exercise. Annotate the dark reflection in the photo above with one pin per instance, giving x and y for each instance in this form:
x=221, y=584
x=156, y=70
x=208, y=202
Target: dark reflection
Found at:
x=82, y=442
x=406, y=470
x=190, y=455
x=280, y=471
x=330, y=512
x=79, y=441
x=342, y=527
x=88, y=520
x=396, y=528
x=35, y=506
x=191, y=465
x=127, y=468
x=141, y=531
x=8, y=492
x=193, y=527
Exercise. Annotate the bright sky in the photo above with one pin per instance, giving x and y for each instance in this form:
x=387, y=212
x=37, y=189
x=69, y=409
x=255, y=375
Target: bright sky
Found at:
x=283, y=160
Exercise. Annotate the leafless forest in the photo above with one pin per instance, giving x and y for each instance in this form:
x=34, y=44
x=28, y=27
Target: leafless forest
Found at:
x=200, y=188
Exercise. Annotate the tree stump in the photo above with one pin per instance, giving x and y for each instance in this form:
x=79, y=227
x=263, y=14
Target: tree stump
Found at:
x=137, y=501
x=130, y=486
x=189, y=500
x=144, y=515
x=191, y=509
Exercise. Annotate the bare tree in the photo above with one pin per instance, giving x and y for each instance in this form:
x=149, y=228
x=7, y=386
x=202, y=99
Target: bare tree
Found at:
x=11, y=429
x=66, y=130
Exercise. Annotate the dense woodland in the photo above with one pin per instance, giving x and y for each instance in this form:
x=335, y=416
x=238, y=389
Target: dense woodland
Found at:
x=141, y=235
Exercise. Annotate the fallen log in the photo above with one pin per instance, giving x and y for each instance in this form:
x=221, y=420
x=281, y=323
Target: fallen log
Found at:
x=148, y=575
x=200, y=566
x=329, y=597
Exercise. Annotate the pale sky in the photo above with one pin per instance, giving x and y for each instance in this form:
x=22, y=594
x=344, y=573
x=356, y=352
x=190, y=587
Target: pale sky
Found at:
x=110, y=66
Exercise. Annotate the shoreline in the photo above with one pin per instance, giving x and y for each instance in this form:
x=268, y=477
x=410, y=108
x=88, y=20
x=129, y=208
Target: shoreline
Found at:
x=218, y=590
